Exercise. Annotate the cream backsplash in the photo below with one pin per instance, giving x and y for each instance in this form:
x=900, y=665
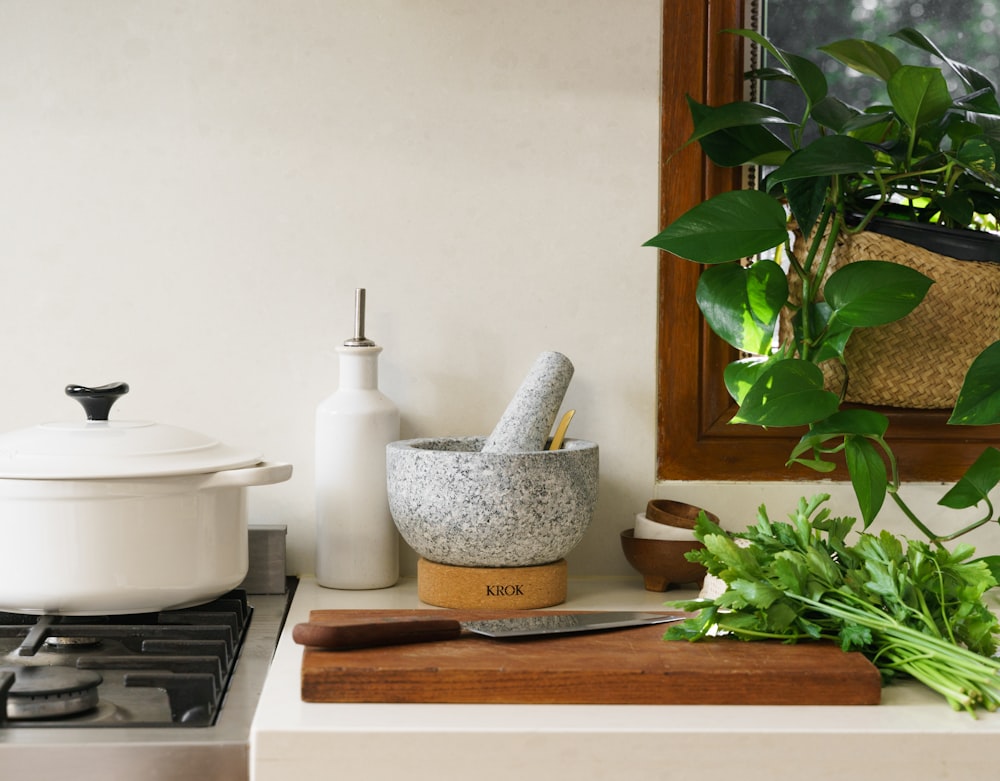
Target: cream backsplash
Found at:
x=192, y=191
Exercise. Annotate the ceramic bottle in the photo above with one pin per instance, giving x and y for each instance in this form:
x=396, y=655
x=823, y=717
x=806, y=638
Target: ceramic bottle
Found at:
x=357, y=544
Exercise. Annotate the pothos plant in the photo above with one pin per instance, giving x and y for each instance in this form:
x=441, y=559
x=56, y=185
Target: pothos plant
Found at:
x=926, y=153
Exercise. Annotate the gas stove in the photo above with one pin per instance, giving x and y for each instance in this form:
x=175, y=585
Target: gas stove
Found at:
x=166, y=669
x=159, y=696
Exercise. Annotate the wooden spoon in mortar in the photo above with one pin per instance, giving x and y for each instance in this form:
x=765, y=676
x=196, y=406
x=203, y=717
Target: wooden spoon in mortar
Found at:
x=557, y=438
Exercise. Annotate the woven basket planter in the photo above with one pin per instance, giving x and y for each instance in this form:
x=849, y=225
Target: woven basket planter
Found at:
x=918, y=362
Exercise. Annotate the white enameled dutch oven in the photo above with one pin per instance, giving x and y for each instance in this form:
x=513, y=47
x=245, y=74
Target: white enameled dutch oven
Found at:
x=108, y=517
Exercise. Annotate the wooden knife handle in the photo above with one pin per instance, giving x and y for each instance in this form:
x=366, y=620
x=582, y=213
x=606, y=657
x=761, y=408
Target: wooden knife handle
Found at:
x=341, y=637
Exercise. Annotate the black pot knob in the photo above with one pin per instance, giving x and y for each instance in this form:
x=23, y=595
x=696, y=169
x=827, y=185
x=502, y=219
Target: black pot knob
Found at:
x=97, y=402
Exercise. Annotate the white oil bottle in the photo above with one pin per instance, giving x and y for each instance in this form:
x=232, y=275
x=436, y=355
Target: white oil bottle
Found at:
x=357, y=544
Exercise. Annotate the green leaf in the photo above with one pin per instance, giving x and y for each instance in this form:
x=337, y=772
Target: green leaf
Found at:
x=881, y=581
x=868, y=476
x=692, y=629
x=864, y=56
x=780, y=616
x=982, y=101
x=751, y=145
x=788, y=393
x=709, y=120
x=977, y=482
x=790, y=571
x=988, y=123
x=841, y=424
x=767, y=294
x=957, y=207
x=809, y=77
x=821, y=564
x=833, y=113
x=756, y=593
x=730, y=226
x=854, y=637
x=829, y=340
x=816, y=464
x=874, y=292
x=977, y=154
x=993, y=563
x=764, y=43
x=742, y=304
x=919, y=95
x=740, y=375
x=728, y=555
x=978, y=401
x=972, y=78
x=771, y=74
x=806, y=198
x=959, y=131
x=860, y=422
x=735, y=143
x=826, y=156
x=834, y=341
x=872, y=126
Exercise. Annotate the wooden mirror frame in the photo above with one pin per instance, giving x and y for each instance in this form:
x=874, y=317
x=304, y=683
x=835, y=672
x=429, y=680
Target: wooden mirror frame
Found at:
x=694, y=438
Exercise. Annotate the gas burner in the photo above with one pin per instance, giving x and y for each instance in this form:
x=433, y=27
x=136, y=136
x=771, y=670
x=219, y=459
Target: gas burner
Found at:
x=48, y=692
x=68, y=644
x=153, y=669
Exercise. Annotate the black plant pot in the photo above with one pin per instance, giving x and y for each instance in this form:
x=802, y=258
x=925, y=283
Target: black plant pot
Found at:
x=952, y=242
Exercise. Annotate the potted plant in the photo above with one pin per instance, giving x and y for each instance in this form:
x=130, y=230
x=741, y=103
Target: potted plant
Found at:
x=927, y=159
x=924, y=160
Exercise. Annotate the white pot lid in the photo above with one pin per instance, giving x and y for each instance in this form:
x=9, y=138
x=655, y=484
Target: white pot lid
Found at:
x=99, y=448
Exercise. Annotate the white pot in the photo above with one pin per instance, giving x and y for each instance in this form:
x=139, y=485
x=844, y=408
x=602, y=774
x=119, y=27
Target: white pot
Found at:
x=108, y=517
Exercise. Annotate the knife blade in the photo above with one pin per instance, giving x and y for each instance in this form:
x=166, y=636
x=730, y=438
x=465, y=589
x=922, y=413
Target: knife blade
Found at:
x=402, y=631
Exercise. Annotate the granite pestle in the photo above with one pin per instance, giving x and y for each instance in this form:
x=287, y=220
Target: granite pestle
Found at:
x=525, y=425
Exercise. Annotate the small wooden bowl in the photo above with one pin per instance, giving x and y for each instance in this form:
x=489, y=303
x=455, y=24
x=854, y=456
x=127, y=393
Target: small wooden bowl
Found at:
x=661, y=562
x=679, y=514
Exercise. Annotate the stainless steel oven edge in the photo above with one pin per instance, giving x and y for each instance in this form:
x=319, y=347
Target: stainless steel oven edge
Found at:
x=220, y=752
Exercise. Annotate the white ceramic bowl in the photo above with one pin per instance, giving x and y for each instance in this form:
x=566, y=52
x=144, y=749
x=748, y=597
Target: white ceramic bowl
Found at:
x=646, y=529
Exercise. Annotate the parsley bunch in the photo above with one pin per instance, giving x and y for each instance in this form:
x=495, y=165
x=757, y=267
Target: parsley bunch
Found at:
x=911, y=608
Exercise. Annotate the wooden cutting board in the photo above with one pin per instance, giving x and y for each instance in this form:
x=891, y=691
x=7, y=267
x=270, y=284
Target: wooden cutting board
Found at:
x=629, y=666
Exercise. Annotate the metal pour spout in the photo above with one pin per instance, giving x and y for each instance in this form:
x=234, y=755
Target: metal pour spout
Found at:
x=359, y=340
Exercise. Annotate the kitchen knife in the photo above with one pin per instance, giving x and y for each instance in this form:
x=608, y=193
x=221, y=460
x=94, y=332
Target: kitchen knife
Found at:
x=401, y=631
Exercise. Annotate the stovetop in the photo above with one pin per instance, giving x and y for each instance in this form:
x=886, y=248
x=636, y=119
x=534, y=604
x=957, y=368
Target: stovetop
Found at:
x=167, y=669
x=177, y=694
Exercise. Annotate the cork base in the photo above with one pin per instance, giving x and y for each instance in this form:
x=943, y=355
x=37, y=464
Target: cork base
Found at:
x=504, y=588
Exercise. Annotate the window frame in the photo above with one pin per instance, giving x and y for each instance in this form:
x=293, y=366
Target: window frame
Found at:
x=695, y=440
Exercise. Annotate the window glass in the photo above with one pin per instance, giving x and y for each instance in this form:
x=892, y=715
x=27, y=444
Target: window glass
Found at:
x=966, y=30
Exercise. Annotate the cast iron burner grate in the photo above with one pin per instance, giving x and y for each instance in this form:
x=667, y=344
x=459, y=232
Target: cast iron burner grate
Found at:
x=145, y=669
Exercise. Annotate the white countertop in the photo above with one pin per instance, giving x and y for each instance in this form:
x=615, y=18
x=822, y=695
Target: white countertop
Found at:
x=912, y=734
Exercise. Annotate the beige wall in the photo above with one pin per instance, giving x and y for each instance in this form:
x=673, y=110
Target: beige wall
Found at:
x=190, y=191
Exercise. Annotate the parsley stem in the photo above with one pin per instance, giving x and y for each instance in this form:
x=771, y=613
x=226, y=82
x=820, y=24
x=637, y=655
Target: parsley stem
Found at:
x=963, y=677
